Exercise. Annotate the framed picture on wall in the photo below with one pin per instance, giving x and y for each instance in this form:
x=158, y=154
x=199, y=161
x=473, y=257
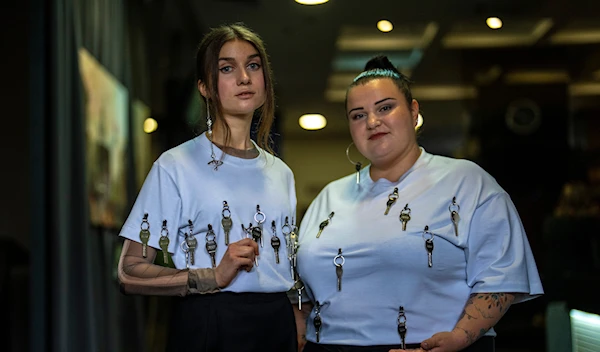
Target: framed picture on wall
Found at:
x=106, y=103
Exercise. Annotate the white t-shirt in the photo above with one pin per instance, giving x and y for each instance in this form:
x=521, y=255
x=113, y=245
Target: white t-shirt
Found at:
x=181, y=186
x=386, y=267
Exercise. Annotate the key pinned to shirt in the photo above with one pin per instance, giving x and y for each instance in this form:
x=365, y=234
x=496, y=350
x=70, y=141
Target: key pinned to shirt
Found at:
x=339, y=262
x=324, y=224
x=392, y=198
x=428, y=237
x=145, y=235
x=402, y=326
x=454, y=208
x=163, y=242
x=317, y=322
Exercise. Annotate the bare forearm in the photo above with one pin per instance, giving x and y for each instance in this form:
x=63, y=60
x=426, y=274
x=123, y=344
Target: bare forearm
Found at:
x=482, y=311
x=301, y=317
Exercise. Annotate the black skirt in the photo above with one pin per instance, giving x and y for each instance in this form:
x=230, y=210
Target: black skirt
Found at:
x=484, y=344
x=226, y=321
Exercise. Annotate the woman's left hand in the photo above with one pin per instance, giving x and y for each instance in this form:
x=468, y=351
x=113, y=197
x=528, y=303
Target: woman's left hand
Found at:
x=441, y=342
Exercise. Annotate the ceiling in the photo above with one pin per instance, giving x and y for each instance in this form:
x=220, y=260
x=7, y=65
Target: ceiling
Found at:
x=444, y=46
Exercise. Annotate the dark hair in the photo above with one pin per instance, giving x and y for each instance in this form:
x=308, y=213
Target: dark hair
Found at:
x=380, y=67
x=207, y=71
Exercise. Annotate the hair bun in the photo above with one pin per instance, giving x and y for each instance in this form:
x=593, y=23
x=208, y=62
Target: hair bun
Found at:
x=381, y=62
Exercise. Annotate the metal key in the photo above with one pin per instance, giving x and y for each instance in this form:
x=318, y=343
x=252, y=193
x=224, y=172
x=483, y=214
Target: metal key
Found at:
x=324, y=223
x=259, y=217
x=339, y=261
x=211, y=245
x=226, y=222
x=317, y=320
x=192, y=244
x=428, y=245
x=357, y=166
x=402, y=326
x=250, y=234
x=163, y=242
x=186, y=250
x=454, y=208
x=392, y=197
x=299, y=286
x=405, y=216
x=145, y=235
x=275, y=242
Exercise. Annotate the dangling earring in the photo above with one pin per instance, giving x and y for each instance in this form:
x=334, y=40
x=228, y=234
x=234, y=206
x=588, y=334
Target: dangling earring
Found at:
x=357, y=165
x=214, y=162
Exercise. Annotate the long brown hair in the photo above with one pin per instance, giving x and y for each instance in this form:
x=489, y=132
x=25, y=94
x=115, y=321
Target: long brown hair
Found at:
x=207, y=71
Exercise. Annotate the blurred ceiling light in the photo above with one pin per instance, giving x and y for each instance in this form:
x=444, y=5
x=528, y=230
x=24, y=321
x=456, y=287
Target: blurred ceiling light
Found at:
x=311, y=2
x=150, y=125
x=312, y=121
x=494, y=22
x=385, y=26
x=419, y=122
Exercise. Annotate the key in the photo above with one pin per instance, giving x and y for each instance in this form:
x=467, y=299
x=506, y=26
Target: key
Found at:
x=192, y=244
x=392, y=197
x=250, y=234
x=317, y=320
x=402, y=326
x=339, y=261
x=455, y=218
x=275, y=242
x=145, y=235
x=299, y=286
x=226, y=222
x=428, y=245
x=259, y=217
x=186, y=251
x=357, y=166
x=324, y=224
x=405, y=216
x=163, y=242
x=454, y=208
x=211, y=245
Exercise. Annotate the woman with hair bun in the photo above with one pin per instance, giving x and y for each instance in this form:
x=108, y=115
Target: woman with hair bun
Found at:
x=414, y=251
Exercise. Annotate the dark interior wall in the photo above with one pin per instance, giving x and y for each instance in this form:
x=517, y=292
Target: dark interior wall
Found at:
x=14, y=134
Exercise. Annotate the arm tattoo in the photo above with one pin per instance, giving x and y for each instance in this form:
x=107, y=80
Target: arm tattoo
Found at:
x=471, y=337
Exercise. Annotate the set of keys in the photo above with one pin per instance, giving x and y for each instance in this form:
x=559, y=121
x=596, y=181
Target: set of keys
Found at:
x=145, y=235
x=290, y=234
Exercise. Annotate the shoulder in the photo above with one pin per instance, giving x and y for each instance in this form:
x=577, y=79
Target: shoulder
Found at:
x=178, y=156
x=274, y=162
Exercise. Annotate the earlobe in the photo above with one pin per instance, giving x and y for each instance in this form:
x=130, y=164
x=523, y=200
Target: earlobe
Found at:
x=202, y=88
x=414, y=110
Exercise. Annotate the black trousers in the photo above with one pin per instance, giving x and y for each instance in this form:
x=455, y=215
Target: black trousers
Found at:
x=226, y=321
x=484, y=344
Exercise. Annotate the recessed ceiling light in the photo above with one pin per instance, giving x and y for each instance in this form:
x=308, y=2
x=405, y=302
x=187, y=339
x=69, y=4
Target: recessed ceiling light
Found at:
x=385, y=26
x=494, y=22
x=311, y=2
x=312, y=121
x=150, y=125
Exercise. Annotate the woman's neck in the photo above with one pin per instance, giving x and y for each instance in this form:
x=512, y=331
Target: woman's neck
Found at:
x=239, y=133
x=393, y=170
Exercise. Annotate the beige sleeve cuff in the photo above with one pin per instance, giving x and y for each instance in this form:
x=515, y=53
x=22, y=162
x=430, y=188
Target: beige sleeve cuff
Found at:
x=202, y=281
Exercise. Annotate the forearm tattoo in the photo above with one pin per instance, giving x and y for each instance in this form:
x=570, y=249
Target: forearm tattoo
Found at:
x=482, y=311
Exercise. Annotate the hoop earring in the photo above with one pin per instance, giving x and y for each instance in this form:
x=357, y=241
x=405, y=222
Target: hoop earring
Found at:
x=357, y=165
x=214, y=162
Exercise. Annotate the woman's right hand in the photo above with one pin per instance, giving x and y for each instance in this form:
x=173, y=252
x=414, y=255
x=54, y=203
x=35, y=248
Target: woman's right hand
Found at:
x=239, y=256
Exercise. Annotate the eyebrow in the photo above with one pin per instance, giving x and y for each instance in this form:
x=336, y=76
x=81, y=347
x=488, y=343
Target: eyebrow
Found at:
x=377, y=102
x=231, y=59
